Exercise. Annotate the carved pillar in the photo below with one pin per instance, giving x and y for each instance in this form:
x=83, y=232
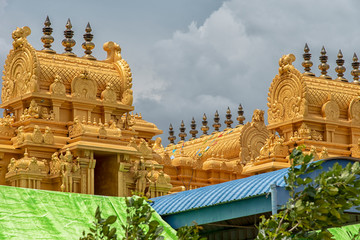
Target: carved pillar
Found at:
x=107, y=113
x=124, y=167
x=56, y=108
x=87, y=166
x=330, y=132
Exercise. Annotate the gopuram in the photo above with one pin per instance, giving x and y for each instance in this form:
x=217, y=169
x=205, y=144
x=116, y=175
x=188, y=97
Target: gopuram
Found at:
x=68, y=124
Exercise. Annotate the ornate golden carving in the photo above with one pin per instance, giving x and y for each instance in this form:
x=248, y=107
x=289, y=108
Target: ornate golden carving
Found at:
x=37, y=136
x=355, y=149
x=330, y=110
x=20, y=67
x=55, y=164
x=69, y=169
x=273, y=147
x=354, y=110
x=25, y=165
x=286, y=94
x=57, y=87
x=48, y=136
x=83, y=87
x=19, y=36
x=314, y=153
x=253, y=137
x=109, y=95
x=324, y=153
x=127, y=97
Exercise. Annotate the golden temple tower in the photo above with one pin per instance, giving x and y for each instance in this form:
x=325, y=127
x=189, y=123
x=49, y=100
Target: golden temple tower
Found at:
x=67, y=123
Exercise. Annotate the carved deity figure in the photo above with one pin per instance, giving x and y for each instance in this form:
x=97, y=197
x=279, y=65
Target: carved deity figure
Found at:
x=108, y=95
x=141, y=178
x=55, y=164
x=68, y=167
x=33, y=110
x=48, y=136
x=11, y=166
x=37, y=136
x=127, y=97
x=157, y=144
x=57, y=87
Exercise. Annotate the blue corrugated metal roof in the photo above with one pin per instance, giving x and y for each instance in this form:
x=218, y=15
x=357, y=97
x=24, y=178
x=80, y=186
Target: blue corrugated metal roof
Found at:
x=219, y=193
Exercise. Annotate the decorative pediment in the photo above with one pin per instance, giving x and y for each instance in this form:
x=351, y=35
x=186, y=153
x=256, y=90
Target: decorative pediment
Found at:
x=84, y=87
x=330, y=110
x=57, y=87
x=354, y=110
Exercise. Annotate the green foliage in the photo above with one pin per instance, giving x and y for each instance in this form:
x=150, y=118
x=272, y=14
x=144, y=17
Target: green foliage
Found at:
x=101, y=228
x=138, y=221
x=314, y=204
x=189, y=233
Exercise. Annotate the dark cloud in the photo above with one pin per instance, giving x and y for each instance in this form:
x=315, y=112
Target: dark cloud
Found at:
x=194, y=57
x=233, y=56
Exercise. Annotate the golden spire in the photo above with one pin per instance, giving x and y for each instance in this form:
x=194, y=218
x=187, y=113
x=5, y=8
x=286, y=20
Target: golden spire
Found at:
x=171, y=134
x=323, y=67
x=240, y=117
x=355, y=72
x=88, y=45
x=228, y=120
x=307, y=63
x=217, y=123
x=204, y=127
x=193, y=130
x=182, y=133
x=68, y=42
x=47, y=39
x=340, y=69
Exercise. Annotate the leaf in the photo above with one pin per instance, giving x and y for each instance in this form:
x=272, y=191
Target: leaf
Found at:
x=111, y=219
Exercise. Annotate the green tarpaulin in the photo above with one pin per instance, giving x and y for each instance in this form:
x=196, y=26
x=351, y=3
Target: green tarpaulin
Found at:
x=37, y=214
x=344, y=233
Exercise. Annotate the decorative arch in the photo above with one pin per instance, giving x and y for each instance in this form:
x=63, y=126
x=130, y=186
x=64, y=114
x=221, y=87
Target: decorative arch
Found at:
x=253, y=137
x=286, y=97
x=21, y=67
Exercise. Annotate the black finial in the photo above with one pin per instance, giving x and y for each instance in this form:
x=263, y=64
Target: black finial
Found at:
x=47, y=39
x=171, y=134
x=193, y=130
x=204, y=127
x=182, y=133
x=355, y=72
x=307, y=64
x=340, y=69
x=68, y=42
x=323, y=66
x=240, y=117
x=228, y=120
x=88, y=45
x=217, y=123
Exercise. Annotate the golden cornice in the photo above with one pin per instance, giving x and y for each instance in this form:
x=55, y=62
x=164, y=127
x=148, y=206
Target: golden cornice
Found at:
x=224, y=143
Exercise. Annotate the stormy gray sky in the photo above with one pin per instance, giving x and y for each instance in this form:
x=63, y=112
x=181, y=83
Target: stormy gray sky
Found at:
x=191, y=57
